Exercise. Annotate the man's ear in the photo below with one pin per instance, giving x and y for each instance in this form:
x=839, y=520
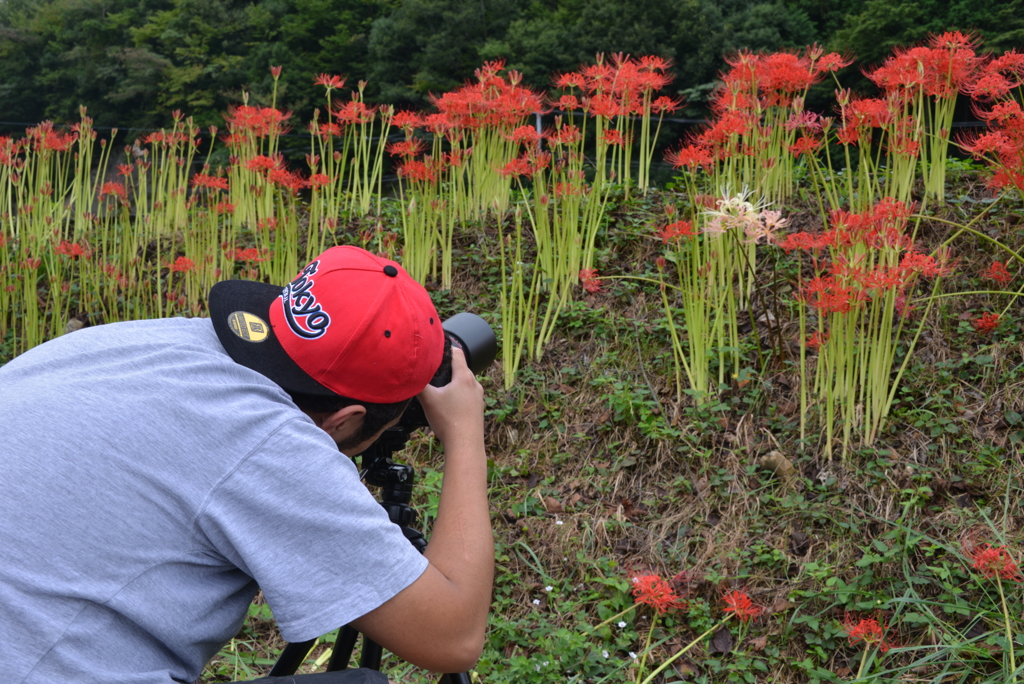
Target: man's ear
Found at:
x=345, y=422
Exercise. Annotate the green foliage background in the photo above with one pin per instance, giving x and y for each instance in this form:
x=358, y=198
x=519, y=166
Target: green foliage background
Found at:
x=132, y=62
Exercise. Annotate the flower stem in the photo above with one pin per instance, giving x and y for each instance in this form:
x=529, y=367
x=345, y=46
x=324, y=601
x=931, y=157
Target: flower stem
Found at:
x=686, y=648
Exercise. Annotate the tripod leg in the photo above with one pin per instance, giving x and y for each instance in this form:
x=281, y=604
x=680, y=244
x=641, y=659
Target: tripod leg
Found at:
x=343, y=647
x=371, y=656
x=458, y=678
x=291, y=657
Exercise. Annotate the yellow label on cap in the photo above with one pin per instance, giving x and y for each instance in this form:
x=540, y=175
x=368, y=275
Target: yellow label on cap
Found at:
x=250, y=328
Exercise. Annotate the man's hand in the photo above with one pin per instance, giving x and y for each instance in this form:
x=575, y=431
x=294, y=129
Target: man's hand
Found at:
x=456, y=410
x=438, y=622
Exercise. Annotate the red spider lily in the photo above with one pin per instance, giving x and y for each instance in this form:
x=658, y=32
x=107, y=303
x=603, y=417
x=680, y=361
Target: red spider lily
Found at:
x=986, y=323
x=419, y=171
x=803, y=121
x=692, y=156
x=867, y=630
x=651, y=590
x=327, y=129
x=517, y=167
x=805, y=145
x=806, y=241
x=665, y=105
x=613, y=137
x=740, y=605
x=286, y=179
x=202, y=180
x=817, y=339
x=569, y=79
x=867, y=113
x=994, y=562
x=182, y=265
x=355, y=111
x=591, y=282
x=569, y=103
x=250, y=254
x=995, y=143
x=275, y=72
x=1010, y=63
x=256, y=121
x=407, y=149
x=565, y=135
x=125, y=169
x=928, y=266
x=44, y=138
x=261, y=163
x=676, y=230
x=167, y=139
x=992, y=86
x=526, y=135
x=997, y=273
x=72, y=249
x=493, y=101
x=833, y=61
x=116, y=189
x=224, y=208
x=456, y=158
x=328, y=81
x=318, y=180
x=406, y=120
x=562, y=189
x=828, y=296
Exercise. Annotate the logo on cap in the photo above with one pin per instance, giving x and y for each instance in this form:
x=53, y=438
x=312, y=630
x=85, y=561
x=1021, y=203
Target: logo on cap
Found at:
x=301, y=310
x=247, y=326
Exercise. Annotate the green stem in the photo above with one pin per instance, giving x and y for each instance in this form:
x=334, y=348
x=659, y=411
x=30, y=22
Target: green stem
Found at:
x=683, y=651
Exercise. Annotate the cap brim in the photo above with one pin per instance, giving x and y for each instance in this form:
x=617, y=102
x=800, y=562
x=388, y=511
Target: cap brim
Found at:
x=266, y=356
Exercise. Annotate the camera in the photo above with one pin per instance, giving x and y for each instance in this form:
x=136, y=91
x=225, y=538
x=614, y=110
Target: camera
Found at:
x=474, y=337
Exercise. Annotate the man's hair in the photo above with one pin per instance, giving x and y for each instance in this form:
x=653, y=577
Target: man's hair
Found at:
x=377, y=415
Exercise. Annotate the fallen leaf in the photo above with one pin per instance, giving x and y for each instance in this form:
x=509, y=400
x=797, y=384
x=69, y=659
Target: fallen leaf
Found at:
x=799, y=543
x=552, y=505
x=574, y=499
x=701, y=485
x=685, y=668
x=714, y=517
x=844, y=672
x=758, y=643
x=780, y=606
x=965, y=501
x=721, y=641
x=532, y=480
x=778, y=464
x=604, y=417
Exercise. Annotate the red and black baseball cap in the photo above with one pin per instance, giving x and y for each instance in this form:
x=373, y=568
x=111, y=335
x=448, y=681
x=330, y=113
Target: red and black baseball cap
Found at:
x=351, y=324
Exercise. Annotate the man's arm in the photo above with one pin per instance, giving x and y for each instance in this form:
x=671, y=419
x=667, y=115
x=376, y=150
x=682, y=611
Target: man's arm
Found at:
x=438, y=622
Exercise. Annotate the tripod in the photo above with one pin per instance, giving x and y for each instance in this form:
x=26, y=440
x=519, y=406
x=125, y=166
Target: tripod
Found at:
x=396, y=482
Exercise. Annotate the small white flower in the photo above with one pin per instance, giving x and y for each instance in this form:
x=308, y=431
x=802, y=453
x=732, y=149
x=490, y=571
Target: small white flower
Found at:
x=558, y=522
x=549, y=588
x=545, y=663
x=632, y=655
x=536, y=602
x=604, y=653
x=622, y=624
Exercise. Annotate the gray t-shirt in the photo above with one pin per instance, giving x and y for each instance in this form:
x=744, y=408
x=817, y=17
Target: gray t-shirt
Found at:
x=148, y=486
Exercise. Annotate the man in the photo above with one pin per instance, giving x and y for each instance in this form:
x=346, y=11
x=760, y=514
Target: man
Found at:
x=157, y=473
